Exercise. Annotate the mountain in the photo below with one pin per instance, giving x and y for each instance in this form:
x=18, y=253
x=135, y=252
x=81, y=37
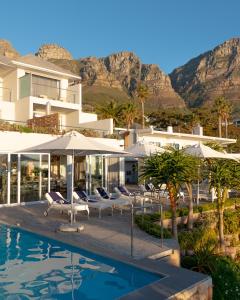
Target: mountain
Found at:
x=7, y=49
x=116, y=77
x=214, y=73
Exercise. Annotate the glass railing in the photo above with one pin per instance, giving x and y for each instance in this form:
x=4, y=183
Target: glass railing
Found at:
x=5, y=94
x=55, y=93
x=70, y=95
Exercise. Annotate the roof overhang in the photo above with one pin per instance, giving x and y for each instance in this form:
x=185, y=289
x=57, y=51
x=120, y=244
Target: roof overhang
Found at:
x=25, y=65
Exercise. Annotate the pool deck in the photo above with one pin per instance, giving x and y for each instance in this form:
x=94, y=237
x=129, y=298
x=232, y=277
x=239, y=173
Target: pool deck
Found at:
x=110, y=236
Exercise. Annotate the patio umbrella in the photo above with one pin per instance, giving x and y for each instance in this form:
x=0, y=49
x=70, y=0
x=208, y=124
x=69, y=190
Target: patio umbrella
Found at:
x=201, y=151
x=142, y=149
x=74, y=143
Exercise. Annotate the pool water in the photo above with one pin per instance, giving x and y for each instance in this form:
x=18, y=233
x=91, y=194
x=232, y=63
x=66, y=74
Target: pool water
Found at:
x=35, y=267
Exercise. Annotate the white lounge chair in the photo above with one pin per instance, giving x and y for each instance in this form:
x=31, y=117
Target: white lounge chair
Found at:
x=93, y=202
x=58, y=202
x=116, y=199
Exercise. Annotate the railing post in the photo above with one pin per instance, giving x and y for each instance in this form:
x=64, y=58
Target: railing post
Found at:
x=132, y=222
x=161, y=224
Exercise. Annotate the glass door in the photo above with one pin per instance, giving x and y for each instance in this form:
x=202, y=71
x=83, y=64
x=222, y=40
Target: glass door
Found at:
x=30, y=171
x=3, y=178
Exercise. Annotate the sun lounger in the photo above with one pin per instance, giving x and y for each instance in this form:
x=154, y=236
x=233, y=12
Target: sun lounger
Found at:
x=116, y=199
x=92, y=201
x=58, y=202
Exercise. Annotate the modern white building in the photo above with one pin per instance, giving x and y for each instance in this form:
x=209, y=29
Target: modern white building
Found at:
x=162, y=139
x=25, y=177
x=31, y=87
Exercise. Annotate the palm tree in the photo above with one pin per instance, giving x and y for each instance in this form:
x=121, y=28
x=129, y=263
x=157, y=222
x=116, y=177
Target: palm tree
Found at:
x=225, y=175
x=129, y=113
x=173, y=168
x=111, y=110
x=223, y=110
x=142, y=95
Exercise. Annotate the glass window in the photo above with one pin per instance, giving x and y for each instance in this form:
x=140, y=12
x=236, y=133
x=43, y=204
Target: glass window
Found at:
x=14, y=179
x=30, y=171
x=3, y=178
x=25, y=84
x=96, y=171
x=45, y=87
x=44, y=175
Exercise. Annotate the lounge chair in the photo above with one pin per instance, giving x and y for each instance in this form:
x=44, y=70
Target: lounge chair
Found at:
x=57, y=201
x=93, y=202
x=116, y=199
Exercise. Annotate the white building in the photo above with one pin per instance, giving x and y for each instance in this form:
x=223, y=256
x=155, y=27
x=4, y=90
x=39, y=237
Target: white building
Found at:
x=162, y=139
x=31, y=87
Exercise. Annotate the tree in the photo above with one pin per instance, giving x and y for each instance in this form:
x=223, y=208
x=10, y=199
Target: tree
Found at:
x=223, y=110
x=223, y=175
x=111, y=110
x=173, y=168
x=129, y=113
x=142, y=95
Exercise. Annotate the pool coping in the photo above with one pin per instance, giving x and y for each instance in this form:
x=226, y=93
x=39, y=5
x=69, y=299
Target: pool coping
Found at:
x=176, y=282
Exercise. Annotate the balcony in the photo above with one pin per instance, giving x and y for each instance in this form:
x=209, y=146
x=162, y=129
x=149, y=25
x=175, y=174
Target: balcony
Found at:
x=51, y=91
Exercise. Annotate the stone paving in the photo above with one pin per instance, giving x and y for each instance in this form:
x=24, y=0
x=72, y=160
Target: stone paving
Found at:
x=111, y=233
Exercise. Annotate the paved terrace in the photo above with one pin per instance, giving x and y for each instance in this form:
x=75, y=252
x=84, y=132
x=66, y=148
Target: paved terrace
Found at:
x=110, y=236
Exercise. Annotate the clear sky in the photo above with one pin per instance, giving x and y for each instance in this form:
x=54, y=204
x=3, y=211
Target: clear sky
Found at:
x=165, y=32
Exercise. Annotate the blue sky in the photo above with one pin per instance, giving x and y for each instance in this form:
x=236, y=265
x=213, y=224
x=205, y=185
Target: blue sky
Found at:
x=165, y=32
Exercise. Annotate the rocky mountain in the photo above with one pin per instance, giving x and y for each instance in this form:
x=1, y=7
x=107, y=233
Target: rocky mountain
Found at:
x=214, y=73
x=53, y=51
x=7, y=49
x=116, y=77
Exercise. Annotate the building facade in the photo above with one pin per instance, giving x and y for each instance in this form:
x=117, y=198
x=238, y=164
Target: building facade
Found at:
x=31, y=88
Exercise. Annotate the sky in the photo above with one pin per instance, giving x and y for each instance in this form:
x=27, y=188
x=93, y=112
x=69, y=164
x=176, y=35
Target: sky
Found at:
x=163, y=32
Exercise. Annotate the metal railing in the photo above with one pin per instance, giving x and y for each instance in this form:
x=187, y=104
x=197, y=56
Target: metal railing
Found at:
x=55, y=93
x=142, y=208
x=5, y=94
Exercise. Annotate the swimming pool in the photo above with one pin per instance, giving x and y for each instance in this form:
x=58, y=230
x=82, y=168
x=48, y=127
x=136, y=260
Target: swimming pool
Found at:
x=35, y=267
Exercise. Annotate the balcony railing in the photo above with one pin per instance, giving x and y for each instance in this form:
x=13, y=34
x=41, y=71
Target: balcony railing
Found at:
x=29, y=88
x=5, y=94
x=55, y=93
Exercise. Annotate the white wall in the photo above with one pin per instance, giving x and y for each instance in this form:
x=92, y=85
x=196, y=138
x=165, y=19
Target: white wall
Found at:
x=104, y=125
x=24, y=109
x=7, y=110
x=10, y=82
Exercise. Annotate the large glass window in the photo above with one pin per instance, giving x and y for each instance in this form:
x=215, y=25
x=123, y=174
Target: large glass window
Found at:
x=80, y=172
x=14, y=179
x=96, y=172
x=3, y=178
x=44, y=175
x=30, y=171
x=113, y=173
x=25, y=86
x=45, y=87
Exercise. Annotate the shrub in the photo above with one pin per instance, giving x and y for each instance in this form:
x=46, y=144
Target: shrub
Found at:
x=224, y=271
x=148, y=224
x=232, y=221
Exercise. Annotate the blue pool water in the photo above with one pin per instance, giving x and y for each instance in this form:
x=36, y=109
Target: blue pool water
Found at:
x=35, y=267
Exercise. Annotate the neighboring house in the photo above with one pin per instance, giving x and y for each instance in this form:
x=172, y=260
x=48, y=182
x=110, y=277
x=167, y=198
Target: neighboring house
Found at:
x=162, y=139
x=31, y=87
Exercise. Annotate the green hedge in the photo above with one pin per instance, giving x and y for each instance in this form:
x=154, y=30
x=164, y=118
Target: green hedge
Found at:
x=225, y=273
x=148, y=224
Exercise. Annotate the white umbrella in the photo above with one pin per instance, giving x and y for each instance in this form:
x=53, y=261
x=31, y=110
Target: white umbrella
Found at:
x=74, y=143
x=144, y=149
x=202, y=151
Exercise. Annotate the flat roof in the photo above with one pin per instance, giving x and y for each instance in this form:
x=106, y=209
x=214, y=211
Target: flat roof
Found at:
x=152, y=132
